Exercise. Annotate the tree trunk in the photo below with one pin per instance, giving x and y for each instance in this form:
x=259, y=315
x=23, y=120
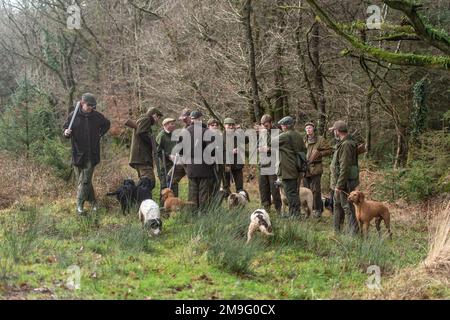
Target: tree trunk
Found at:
x=368, y=119
x=318, y=78
x=281, y=99
x=137, y=64
x=257, y=113
x=401, y=155
x=302, y=63
x=27, y=118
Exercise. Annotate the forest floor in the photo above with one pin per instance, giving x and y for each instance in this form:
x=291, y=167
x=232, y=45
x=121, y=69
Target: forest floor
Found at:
x=42, y=242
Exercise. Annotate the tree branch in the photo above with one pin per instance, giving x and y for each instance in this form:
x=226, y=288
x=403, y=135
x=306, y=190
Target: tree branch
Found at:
x=407, y=59
x=398, y=37
x=437, y=38
x=152, y=14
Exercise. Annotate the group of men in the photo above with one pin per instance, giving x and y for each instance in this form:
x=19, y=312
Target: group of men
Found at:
x=205, y=179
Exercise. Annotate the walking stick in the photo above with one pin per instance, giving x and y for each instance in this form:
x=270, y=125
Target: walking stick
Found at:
x=164, y=166
x=173, y=171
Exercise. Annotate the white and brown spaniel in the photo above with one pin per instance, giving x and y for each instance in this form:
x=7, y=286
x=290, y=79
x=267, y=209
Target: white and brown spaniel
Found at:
x=259, y=220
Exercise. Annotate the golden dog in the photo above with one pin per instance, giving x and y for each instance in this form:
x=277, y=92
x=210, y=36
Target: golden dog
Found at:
x=367, y=210
x=172, y=203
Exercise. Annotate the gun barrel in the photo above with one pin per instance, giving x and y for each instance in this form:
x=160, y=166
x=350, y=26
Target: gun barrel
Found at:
x=74, y=115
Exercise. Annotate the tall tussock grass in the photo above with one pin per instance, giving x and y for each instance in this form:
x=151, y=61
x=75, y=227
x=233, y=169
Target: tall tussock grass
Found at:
x=438, y=258
x=20, y=233
x=22, y=178
x=430, y=279
x=307, y=236
x=221, y=235
x=129, y=238
x=19, y=237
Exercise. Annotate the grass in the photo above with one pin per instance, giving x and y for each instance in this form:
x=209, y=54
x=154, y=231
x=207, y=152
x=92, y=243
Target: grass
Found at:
x=196, y=256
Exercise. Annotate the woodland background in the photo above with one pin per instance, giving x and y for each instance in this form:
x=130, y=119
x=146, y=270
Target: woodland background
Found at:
x=313, y=59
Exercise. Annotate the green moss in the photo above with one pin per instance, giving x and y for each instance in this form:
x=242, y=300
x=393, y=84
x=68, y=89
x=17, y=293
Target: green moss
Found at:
x=428, y=61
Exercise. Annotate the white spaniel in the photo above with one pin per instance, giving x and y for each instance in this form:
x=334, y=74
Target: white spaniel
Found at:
x=150, y=217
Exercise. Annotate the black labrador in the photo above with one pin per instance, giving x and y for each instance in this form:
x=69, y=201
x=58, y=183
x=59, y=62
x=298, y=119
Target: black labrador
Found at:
x=126, y=194
x=144, y=190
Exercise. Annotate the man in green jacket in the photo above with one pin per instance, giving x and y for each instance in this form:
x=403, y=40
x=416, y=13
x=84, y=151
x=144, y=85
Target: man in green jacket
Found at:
x=344, y=176
x=167, y=158
x=142, y=144
x=268, y=191
x=290, y=143
x=317, y=147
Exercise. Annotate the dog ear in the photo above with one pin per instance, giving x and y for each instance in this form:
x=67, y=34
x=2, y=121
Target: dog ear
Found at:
x=356, y=197
x=361, y=196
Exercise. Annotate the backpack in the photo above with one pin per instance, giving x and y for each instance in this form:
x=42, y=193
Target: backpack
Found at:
x=300, y=159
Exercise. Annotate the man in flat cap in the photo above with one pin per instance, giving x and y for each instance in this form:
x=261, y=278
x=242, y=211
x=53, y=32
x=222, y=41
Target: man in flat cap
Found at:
x=317, y=148
x=87, y=129
x=185, y=118
x=200, y=174
x=268, y=191
x=165, y=147
x=344, y=176
x=290, y=144
x=143, y=146
x=233, y=170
